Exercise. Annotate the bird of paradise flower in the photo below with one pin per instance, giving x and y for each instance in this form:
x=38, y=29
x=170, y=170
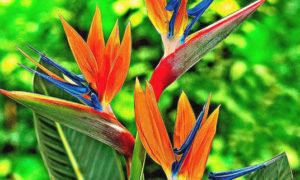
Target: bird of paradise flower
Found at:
x=103, y=67
x=192, y=138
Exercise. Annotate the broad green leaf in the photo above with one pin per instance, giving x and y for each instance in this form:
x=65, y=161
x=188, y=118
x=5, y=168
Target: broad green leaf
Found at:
x=277, y=168
x=198, y=44
x=69, y=154
x=138, y=160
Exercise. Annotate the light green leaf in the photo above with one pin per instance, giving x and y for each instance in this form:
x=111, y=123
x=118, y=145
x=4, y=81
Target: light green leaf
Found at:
x=69, y=154
x=138, y=160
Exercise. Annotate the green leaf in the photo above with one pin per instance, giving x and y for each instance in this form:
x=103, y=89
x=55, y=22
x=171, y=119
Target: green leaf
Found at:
x=69, y=154
x=277, y=168
x=138, y=160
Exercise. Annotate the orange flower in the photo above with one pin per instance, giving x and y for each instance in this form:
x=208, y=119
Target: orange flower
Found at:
x=192, y=138
x=104, y=67
x=171, y=20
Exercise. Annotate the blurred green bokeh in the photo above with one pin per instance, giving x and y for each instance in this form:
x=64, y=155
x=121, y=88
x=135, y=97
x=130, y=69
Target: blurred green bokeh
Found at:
x=254, y=74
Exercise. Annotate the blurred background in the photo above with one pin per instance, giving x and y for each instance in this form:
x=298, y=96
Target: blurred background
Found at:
x=254, y=74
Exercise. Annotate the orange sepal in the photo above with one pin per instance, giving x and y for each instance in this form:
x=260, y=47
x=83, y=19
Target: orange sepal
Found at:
x=82, y=54
x=119, y=68
x=95, y=39
x=151, y=128
x=181, y=19
x=158, y=15
x=105, y=64
x=194, y=164
x=185, y=121
x=113, y=44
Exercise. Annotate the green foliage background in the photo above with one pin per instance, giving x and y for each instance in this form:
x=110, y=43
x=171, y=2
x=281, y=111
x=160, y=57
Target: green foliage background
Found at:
x=254, y=74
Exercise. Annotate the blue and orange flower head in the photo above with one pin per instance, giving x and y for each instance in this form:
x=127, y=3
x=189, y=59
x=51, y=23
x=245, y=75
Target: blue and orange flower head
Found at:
x=192, y=137
x=171, y=20
x=104, y=68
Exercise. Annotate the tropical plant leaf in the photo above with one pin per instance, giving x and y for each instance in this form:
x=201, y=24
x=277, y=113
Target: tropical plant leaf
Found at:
x=138, y=160
x=200, y=43
x=69, y=154
x=277, y=168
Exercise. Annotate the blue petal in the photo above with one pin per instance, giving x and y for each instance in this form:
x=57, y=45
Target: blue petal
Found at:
x=173, y=5
x=184, y=149
x=228, y=175
x=188, y=28
x=84, y=100
x=199, y=8
x=192, y=134
x=196, y=11
x=66, y=86
x=51, y=62
x=96, y=102
x=73, y=90
x=81, y=78
x=177, y=164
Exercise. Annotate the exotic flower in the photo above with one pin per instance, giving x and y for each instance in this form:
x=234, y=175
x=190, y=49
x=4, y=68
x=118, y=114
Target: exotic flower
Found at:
x=171, y=19
x=192, y=138
x=103, y=68
x=178, y=57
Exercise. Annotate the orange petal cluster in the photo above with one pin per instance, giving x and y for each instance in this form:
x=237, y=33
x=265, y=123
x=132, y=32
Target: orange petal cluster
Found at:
x=104, y=66
x=155, y=139
x=160, y=17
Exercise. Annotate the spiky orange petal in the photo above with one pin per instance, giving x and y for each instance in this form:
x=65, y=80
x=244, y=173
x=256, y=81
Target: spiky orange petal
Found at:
x=194, y=164
x=119, y=68
x=185, y=121
x=113, y=43
x=95, y=39
x=82, y=54
x=151, y=128
x=158, y=15
x=105, y=64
